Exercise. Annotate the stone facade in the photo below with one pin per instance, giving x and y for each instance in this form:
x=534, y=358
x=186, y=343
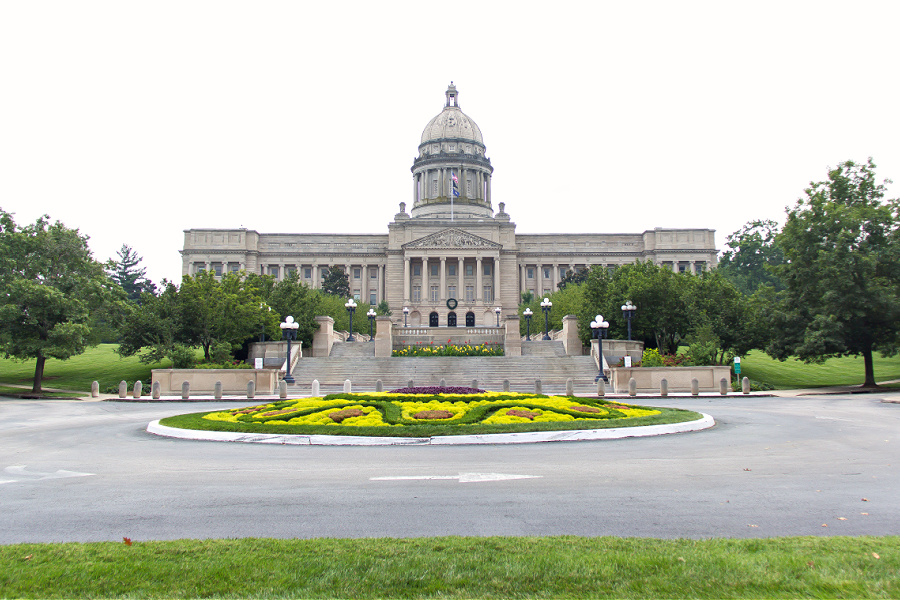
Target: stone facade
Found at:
x=450, y=248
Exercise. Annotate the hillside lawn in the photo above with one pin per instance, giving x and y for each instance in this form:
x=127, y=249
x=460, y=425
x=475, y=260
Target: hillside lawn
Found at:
x=102, y=364
x=457, y=567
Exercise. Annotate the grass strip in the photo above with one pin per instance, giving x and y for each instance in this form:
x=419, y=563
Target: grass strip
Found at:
x=794, y=374
x=457, y=567
x=17, y=392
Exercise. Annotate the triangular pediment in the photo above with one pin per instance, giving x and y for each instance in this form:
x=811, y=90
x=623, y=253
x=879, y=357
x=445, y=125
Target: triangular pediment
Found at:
x=451, y=238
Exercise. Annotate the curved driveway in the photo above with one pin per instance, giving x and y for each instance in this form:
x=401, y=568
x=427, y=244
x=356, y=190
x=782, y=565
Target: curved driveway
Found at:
x=819, y=465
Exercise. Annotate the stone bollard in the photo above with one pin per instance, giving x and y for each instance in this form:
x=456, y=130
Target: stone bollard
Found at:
x=723, y=386
x=347, y=386
x=138, y=389
x=409, y=383
x=282, y=389
x=632, y=387
x=315, y=388
x=156, y=390
x=663, y=387
x=123, y=389
x=745, y=385
x=251, y=389
x=538, y=387
x=379, y=387
x=695, y=387
x=443, y=383
x=95, y=389
x=185, y=390
x=475, y=384
x=601, y=388
x=570, y=387
x=506, y=385
x=217, y=391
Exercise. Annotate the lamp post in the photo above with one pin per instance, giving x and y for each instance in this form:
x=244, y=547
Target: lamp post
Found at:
x=289, y=332
x=371, y=315
x=545, y=306
x=598, y=330
x=351, y=308
x=628, y=311
x=497, y=312
x=527, y=314
x=405, y=314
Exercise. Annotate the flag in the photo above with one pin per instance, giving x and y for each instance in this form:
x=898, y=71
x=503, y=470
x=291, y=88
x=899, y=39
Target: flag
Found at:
x=453, y=177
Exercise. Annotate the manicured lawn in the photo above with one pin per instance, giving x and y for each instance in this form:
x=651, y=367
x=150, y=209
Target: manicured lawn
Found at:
x=458, y=567
x=100, y=364
x=14, y=391
x=792, y=374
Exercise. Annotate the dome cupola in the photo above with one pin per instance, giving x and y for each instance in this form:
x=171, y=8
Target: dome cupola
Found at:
x=451, y=173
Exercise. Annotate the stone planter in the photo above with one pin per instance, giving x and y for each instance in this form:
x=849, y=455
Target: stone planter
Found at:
x=203, y=381
x=678, y=378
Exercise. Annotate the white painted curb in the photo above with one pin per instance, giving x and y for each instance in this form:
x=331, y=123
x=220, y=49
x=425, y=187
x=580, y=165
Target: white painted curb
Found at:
x=533, y=437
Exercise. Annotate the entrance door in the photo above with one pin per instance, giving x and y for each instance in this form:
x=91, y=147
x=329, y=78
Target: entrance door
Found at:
x=433, y=320
x=470, y=319
x=451, y=320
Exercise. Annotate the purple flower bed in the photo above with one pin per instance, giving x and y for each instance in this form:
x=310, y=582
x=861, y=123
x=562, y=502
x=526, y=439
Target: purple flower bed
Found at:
x=436, y=389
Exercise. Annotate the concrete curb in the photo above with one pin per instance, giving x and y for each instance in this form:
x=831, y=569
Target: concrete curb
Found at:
x=535, y=437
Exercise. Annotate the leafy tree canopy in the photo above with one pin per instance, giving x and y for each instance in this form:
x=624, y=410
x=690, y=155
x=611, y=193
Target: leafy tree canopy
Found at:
x=336, y=283
x=751, y=257
x=576, y=277
x=841, y=245
x=50, y=287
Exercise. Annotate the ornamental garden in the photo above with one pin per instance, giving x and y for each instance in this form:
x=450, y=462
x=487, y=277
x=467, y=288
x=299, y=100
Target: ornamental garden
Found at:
x=429, y=411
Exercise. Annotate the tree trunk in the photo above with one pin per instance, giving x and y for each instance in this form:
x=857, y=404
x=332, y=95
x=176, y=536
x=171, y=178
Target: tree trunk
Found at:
x=870, y=369
x=38, y=374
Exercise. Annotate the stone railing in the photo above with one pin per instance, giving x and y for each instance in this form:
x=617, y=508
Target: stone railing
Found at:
x=402, y=337
x=678, y=378
x=234, y=381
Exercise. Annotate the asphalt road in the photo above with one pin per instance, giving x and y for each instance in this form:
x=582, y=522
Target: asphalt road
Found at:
x=88, y=471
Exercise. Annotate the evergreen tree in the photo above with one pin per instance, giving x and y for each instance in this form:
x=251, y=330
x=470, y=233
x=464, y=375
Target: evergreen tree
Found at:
x=125, y=272
x=336, y=283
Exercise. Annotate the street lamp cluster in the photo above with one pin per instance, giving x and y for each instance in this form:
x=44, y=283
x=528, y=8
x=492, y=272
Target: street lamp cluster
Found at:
x=628, y=310
x=289, y=332
x=598, y=332
x=371, y=314
x=545, y=306
x=528, y=312
x=351, y=308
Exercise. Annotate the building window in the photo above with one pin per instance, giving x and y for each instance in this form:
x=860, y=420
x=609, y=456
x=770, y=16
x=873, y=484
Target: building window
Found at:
x=357, y=273
x=562, y=272
x=435, y=270
x=273, y=271
x=611, y=269
x=451, y=270
x=451, y=291
x=217, y=269
x=546, y=292
x=373, y=300
x=417, y=270
x=234, y=267
x=373, y=273
x=700, y=266
x=290, y=270
x=468, y=187
x=434, y=187
x=487, y=269
x=488, y=294
x=307, y=273
x=529, y=273
x=323, y=272
x=356, y=294
x=434, y=293
x=682, y=267
x=470, y=293
x=417, y=293
x=470, y=270
x=546, y=272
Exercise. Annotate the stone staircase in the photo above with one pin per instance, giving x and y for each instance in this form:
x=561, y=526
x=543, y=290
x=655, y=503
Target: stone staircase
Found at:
x=546, y=361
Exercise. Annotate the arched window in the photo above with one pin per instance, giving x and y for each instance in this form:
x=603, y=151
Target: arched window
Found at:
x=433, y=320
x=470, y=319
x=451, y=319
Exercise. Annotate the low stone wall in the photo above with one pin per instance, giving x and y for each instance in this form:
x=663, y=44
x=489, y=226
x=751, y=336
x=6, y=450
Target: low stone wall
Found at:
x=203, y=381
x=678, y=378
x=410, y=336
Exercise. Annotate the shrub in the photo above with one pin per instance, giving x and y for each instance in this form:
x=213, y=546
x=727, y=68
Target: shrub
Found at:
x=221, y=353
x=182, y=357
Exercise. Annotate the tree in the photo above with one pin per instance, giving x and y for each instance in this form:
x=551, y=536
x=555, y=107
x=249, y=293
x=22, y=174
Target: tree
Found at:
x=841, y=272
x=154, y=328
x=752, y=255
x=383, y=309
x=290, y=297
x=336, y=283
x=50, y=286
x=573, y=277
x=128, y=276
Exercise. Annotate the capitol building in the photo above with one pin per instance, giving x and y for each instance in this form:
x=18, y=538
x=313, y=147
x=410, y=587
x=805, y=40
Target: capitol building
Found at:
x=455, y=254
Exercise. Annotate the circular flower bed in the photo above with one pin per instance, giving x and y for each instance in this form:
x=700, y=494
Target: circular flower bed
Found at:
x=428, y=411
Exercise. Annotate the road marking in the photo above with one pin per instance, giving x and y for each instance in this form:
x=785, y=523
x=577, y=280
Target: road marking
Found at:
x=462, y=477
x=23, y=475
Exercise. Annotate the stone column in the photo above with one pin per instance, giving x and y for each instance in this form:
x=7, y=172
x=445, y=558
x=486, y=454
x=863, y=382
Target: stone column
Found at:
x=323, y=338
x=364, y=284
x=443, y=291
x=383, y=341
x=497, y=280
x=513, y=342
x=426, y=280
x=521, y=280
x=479, y=294
x=406, y=284
x=381, y=283
x=570, y=335
x=694, y=267
x=460, y=279
x=539, y=280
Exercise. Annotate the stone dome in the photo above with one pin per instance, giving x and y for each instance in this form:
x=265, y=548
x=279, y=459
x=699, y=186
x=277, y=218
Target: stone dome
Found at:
x=452, y=123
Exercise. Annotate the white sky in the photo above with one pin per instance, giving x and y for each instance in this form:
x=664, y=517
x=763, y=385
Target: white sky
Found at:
x=133, y=121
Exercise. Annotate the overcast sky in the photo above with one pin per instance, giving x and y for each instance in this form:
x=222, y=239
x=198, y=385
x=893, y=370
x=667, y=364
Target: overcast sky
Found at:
x=133, y=121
